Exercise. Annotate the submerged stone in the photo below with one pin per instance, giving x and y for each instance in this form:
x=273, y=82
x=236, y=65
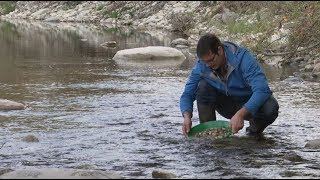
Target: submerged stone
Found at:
x=58, y=173
x=30, y=138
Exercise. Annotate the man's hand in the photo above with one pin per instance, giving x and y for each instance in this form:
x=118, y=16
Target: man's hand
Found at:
x=187, y=123
x=237, y=121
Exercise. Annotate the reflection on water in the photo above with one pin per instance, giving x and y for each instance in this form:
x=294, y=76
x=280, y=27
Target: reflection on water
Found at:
x=87, y=112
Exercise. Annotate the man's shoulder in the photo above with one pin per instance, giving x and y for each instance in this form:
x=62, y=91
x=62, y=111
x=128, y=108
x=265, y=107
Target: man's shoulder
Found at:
x=234, y=47
x=199, y=67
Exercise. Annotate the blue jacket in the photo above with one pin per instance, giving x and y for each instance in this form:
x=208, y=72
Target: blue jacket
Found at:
x=245, y=78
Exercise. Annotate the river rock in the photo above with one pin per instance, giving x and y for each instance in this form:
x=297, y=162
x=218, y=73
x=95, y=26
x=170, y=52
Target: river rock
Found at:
x=10, y=105
x=180, y=41
x=4, y=170
x=30, y=138
x=163, y=174
x=58, y=173
x=109, y=44
x=151, y=55
x=316, y=68
x=313, y=144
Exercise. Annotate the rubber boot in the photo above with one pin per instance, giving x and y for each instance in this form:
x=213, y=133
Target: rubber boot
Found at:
x=206, y=112
x=255, y=128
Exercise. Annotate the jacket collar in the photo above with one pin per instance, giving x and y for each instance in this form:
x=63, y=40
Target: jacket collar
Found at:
x=232, y=52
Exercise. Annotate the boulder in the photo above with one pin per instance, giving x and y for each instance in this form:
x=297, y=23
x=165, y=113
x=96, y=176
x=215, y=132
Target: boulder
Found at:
x=151, y=55
x=10, y=105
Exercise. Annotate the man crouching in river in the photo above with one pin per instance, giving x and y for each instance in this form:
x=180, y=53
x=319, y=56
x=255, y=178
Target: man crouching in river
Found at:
x=227, y=79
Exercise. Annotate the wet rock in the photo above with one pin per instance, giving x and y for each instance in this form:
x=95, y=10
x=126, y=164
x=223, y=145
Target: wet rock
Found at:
x=308, y=68
x=294, y=157
x=316, y=68
x=5, y=170
x=288, y=173
x=30, y=138
x=228, y=16
x=292, y=79
x=179, y=46
x=315, y=75
x=58, y=173
x=313, y=144
x=52, y=19
x=163, y=174
x=298, y=59
x=109, y=44
x=151, y=55
x=179, y=41
x=141, y=27
x=190, y=59
x=10, y=105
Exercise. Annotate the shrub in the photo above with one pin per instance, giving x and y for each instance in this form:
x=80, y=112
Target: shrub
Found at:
x=70, y=4
x=7, y=6
x=182, y=21
x=300, y=18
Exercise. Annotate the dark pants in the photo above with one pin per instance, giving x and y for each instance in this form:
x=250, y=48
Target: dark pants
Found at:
x=210, y=100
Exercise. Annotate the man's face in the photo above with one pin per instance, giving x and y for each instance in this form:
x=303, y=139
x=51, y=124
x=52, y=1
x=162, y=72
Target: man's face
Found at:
x=214, y=61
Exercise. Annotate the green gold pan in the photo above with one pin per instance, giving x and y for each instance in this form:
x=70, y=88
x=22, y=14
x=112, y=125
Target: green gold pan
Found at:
x=210, y=124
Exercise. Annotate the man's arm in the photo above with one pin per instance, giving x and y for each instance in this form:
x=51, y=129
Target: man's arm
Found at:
x=257, y=80
x=187, y=123
x=255, y=77
x=189, y=94
x=188, y=97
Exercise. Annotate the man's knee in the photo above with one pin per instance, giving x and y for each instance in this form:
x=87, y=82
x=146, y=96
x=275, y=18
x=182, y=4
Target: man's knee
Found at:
x=269, y=110
x=205, y=92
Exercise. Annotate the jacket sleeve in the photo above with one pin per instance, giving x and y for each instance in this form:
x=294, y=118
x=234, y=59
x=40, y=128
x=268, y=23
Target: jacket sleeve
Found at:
x=255, y=77
x=189, y=94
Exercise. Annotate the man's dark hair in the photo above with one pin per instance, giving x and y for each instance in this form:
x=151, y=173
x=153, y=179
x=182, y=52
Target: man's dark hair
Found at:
x=208, y=42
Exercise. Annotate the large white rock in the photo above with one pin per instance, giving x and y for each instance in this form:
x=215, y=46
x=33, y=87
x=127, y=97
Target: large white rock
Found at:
x=59, y=173
x=10, y=105
x=151, y=55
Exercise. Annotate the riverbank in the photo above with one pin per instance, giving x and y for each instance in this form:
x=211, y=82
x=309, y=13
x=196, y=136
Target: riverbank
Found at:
x=191, y=18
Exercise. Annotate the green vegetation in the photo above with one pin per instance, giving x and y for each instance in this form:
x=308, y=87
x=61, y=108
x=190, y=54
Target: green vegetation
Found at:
x=8, y=28
x=117, y=31
x=116, y=14
x=7, y=6
x=182, y=22
x=70, y=4
x=99, y=8
x=259, y=20
x=244, y=26
x=112, y=14
x=305, y=29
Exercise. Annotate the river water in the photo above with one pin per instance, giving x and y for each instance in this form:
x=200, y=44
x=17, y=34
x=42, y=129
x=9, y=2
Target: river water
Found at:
x=90, y=113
